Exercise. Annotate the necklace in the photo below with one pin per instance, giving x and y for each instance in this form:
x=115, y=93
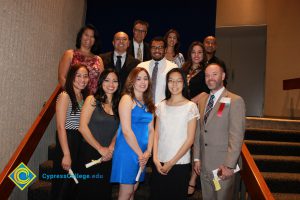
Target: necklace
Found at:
x=139, y=104
x=80, y=104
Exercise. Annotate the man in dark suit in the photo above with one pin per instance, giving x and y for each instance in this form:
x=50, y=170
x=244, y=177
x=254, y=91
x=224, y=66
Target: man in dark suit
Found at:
x=119, y=59
x=210, y=45
x=219, y=140
x=137, y=47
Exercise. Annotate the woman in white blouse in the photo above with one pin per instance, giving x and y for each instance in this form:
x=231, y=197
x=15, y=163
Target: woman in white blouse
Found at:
x=176, y=121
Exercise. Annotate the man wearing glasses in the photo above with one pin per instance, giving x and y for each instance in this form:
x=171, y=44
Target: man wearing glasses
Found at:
x=137, y=47
x=158, y=67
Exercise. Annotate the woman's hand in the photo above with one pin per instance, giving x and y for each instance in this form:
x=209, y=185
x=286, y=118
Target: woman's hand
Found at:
x=142, y=161
x=167, y=167
x=145, y=158
x=158, y=167
x=106, y=153
x=66, y=162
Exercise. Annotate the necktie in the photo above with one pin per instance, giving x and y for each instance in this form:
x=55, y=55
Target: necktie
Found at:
x=154, y=77
x=139, y=54
x=209, y=107
x=118, y=63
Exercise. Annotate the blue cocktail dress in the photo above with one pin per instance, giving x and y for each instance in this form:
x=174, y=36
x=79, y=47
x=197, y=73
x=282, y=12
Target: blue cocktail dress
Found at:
x=125, y=165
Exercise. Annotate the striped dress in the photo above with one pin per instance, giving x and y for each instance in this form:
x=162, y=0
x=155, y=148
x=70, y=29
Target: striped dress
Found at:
x=65, y=188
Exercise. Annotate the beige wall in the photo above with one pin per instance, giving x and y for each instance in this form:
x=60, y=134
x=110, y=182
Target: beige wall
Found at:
x=283, y=46
x=240, y=12
x=33, y=36
x=283, y=52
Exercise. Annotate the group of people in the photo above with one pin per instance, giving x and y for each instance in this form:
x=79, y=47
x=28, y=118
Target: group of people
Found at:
x=145, y=101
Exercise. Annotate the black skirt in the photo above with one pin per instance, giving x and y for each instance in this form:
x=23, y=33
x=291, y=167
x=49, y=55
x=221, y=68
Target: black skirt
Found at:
x=96, y=184
x=62, y=187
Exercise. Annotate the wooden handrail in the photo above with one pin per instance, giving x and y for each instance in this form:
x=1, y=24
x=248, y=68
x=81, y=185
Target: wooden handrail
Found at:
x=254, y=181
x=28, y=144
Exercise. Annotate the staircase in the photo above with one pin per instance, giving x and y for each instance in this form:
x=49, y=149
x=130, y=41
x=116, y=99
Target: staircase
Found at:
x=277, y=155
x=40, y=189
x=274, y=145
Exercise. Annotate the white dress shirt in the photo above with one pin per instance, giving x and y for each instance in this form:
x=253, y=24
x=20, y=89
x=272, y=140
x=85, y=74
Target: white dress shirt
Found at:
x=164, y=66
x=123, y=59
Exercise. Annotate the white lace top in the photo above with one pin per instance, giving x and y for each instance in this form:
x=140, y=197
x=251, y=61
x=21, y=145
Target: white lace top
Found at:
x=173, y=125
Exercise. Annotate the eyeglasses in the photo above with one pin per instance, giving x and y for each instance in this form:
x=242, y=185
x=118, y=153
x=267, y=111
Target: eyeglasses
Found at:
x=140, y=31
x=157, y=48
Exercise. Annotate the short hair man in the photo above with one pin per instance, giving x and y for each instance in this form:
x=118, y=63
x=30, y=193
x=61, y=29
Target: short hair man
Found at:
x=219, y=140
x=158, y=67
x=138, y=48
x=119, y=59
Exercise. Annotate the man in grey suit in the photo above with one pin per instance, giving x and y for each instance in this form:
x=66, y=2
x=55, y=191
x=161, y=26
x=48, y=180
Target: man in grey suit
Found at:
x=220, y=137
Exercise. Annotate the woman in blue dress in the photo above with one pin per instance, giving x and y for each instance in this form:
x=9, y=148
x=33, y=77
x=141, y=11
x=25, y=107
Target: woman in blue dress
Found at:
x=135, y=135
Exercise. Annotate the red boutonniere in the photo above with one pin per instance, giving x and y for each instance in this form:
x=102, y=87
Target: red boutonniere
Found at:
x=225, y=101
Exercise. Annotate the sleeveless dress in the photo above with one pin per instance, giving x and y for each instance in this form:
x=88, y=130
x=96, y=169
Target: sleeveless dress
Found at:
x=125, y=165
x=103, y=127
x=93, y=65
x=65, y=188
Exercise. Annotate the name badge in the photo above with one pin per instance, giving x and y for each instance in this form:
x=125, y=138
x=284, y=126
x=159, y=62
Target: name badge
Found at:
x=225, y=100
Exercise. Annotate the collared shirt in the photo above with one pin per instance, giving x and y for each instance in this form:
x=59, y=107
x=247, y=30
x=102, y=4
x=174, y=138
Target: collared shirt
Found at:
x=217, y=95
x=122, y=59
x=164, y=66
x=136, y=46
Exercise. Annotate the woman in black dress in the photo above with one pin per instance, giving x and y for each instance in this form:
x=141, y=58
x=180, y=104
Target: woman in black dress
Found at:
x=98, y=125
x=194, y=68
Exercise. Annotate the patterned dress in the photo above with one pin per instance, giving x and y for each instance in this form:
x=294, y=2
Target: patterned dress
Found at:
x=93, y=65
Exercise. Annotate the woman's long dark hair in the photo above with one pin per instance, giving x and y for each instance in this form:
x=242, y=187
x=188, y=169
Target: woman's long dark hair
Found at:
x=100, y=95
x=129, y=89
x=96, y=47
x=188, y=64
x=185, y=89
x=177, y=45
x=69, y=87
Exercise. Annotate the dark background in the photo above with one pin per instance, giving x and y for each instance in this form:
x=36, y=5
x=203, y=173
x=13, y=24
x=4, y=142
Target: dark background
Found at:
x=193, y=19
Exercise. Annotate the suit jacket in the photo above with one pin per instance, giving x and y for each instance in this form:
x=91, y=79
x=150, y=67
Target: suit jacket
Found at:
x=129, y=64
x=146, y=53
x=220, y=140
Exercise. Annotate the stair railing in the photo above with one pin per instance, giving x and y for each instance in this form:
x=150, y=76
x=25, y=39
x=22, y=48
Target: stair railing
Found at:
x=255, y=183
x=28, y=144
x=252, y=178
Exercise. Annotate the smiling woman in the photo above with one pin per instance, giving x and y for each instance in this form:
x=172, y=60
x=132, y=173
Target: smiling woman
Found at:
x=68, y=140
x=99, y=122
x=86, y=48
x=135, y=135
x=174, y=134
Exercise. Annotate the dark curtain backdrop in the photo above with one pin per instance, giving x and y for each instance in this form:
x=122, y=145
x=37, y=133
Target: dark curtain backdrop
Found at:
x=193, y=19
